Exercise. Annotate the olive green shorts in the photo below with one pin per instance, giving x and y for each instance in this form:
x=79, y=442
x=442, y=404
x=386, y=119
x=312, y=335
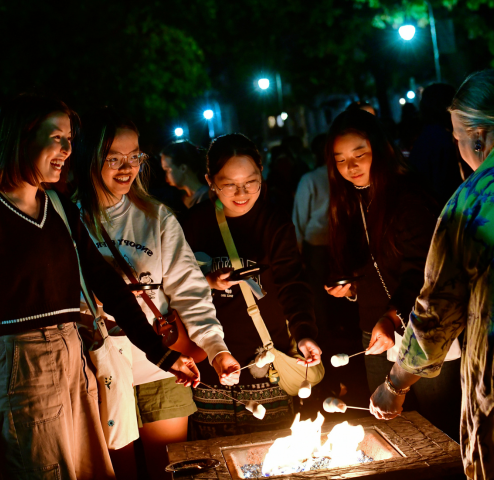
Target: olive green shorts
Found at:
x=162, y=400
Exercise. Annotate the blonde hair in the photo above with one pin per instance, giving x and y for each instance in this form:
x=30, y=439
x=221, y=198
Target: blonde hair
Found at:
x=474, y=102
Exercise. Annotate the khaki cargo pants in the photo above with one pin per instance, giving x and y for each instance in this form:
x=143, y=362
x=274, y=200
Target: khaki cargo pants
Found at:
x=49, y=416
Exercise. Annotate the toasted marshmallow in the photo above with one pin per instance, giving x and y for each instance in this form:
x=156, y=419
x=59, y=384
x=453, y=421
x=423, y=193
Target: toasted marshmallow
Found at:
x=339, y=360
x=305, y=389
x=256, y=408
x=334, y=405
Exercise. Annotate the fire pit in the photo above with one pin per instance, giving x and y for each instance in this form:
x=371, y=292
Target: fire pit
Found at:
x=405, y=448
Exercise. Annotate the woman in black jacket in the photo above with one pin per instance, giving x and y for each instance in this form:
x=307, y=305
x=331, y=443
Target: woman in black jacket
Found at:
x=381, y=224
x=262, y=235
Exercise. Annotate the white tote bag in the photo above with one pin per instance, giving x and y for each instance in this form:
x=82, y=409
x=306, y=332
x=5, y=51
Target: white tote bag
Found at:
x=113, y=361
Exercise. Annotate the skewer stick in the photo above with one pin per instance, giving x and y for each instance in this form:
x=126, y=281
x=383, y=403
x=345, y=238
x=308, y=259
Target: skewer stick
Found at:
x=224, y=394
x=350, y=356
x=358, y=408
x=246, y=366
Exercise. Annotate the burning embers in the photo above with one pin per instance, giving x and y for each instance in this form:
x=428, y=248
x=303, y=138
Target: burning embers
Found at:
x=302, y=451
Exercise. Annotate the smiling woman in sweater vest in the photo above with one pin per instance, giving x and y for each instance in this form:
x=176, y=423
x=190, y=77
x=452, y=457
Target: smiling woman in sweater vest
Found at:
x=108, y=167
x=49, y=416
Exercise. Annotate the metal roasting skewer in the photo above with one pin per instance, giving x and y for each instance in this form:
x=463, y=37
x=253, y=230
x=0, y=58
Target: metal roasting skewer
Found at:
x=350, y=356
x=224, y=394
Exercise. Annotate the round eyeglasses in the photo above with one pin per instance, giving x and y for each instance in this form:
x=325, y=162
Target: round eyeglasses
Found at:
x=134, y=160
x=231, y=189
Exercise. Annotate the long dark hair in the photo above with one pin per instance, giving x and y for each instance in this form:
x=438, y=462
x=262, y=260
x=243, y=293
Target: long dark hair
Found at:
x=20, y=119
x=183, y=152
x=90, y=151
x=347, y=242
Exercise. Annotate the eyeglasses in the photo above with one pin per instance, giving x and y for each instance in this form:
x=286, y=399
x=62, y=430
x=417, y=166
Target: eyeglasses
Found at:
x=134, y=160
x=249, y=188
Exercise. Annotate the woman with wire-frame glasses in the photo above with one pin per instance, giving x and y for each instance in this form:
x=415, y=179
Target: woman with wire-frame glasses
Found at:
x=262, y=235
x=109, y=168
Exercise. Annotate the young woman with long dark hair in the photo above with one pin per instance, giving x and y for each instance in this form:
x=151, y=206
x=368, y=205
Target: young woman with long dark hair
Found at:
x=262, y=235
x=381, y=224
x=109, y=167
x=49, y=415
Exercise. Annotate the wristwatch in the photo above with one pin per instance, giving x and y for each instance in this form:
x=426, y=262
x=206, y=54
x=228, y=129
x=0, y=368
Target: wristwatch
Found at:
x=395, y=391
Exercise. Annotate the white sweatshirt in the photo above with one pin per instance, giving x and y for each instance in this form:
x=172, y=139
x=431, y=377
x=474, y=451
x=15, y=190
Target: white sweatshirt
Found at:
x=157, y=252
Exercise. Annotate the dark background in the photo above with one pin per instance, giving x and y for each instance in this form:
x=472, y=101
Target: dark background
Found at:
x=164, y=62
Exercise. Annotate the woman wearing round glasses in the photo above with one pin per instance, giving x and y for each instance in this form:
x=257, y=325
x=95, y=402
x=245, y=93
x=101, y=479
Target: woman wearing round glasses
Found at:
x=262, y=235
x=108, y=169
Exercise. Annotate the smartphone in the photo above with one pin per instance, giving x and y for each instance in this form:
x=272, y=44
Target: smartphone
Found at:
x=343, y=281
x=144, y=286
x=247, y=272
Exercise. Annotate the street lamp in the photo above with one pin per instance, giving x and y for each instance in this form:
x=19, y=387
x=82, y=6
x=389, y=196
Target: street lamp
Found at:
x=407, y=32
x=263, y=83
x=402, y=101
x=208, y=114
x=410, y=94
x=179, y=132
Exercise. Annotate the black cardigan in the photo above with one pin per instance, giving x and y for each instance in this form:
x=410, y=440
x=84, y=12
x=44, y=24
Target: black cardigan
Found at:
x=40, y=285
x=263, y=235
x=412, y=225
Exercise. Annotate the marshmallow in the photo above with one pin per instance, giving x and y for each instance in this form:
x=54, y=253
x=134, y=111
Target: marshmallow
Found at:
x=334, y=405
x=264, y=358
x=339, y=360
x=305, y=389
x=256, y=408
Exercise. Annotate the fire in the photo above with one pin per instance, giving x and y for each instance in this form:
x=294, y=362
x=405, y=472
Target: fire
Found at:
x=302, y=450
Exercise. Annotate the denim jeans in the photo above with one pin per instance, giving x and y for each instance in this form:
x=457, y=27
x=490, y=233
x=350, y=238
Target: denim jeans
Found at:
x=437, y=399
x=49, y=416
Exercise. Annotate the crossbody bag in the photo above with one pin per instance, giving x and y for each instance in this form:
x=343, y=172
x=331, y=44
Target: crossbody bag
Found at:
x=392, y=353
x=291, y=373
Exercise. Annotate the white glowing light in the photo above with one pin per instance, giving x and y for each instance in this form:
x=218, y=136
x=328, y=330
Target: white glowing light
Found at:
x=402, y=101
x=279, y=121
x=406, y=32
x=208, y=114
x=263, y=83
x=272, y=122
x=179, y=132
x=284, y=116
x=410, y=95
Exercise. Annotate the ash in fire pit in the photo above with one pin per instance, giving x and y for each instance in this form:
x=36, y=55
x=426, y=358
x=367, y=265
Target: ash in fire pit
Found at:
x=255, y=470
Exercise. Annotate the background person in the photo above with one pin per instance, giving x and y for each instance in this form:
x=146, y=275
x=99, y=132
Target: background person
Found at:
x=262, y=235
x=458, y=291
x=110, y=190
x=368, y=181
x=49, y=415
x=185, y=166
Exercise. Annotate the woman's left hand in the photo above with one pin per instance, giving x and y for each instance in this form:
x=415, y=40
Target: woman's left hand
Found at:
x=384, y=405
x=311, y=352
x=382, y=338
x=225, y=364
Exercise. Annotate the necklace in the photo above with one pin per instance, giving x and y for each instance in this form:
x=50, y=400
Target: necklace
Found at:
x=362, y=188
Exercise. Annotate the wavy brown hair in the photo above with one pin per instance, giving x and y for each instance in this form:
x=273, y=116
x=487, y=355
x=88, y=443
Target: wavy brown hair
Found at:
x=347, y=242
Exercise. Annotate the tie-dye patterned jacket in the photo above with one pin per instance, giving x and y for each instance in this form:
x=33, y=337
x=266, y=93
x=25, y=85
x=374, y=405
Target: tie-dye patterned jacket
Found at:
x=458, y=294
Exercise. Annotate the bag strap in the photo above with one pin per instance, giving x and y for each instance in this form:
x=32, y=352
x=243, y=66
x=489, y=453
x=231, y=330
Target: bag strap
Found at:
x=57, y=205
x=375, y=263
x=128, y=273
x=252, y=308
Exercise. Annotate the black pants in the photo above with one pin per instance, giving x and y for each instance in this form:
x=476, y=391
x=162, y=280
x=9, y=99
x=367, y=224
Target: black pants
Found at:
x=437, y=399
